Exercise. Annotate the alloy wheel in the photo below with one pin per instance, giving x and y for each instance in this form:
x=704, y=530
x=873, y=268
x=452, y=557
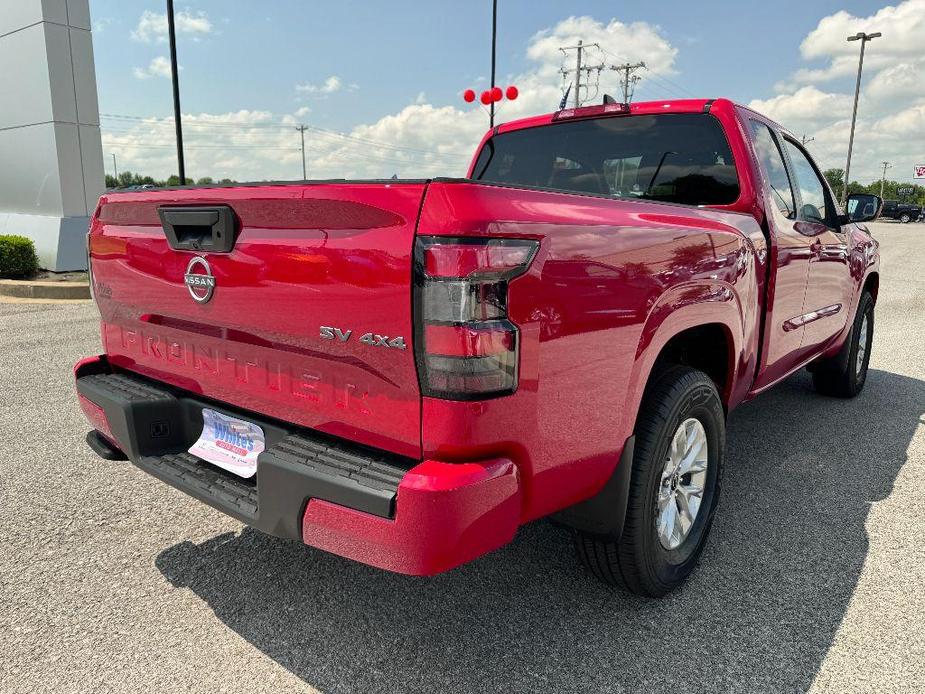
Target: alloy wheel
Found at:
x=682, y=484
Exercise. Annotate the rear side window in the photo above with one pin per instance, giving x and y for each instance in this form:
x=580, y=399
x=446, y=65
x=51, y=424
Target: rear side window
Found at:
x=774, y=169
x=681, y=158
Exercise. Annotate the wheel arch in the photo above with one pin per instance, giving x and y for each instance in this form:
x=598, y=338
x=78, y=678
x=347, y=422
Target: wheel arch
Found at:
x=699, y=325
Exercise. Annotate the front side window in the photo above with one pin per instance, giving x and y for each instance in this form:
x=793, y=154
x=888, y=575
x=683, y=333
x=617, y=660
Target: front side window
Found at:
x=812, y=190
x=681, y=158
x=774, y=169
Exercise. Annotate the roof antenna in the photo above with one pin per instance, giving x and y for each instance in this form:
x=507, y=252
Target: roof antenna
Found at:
x=609, y=99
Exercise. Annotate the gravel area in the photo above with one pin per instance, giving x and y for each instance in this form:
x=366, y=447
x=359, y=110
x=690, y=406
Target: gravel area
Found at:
x=812, y=579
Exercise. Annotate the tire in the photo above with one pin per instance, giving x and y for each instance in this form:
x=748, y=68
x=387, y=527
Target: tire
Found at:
x=905, y=218
x=638, y=560
x=845, y=378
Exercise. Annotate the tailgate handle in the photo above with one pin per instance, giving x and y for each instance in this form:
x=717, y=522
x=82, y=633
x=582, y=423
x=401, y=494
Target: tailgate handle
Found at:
x=208, y=228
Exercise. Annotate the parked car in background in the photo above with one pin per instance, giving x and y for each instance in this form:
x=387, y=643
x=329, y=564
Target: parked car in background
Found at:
x=403, y=372
x=901, y=211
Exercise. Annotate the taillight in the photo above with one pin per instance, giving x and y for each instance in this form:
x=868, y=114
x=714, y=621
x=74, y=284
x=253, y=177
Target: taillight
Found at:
x=590, y=111
x=467, y=348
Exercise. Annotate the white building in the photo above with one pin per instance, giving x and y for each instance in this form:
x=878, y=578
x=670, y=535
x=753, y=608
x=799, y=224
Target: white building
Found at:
x=51, y=157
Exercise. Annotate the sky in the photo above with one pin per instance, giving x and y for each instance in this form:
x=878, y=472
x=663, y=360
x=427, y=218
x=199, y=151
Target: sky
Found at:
x=379, y=85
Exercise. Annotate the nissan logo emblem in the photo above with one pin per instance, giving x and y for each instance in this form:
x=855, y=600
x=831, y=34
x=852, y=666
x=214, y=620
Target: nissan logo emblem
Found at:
x=201, y=285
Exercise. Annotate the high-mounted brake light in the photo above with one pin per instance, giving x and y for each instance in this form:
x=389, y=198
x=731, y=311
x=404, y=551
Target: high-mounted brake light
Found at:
x=589, y=111
x=468, y=349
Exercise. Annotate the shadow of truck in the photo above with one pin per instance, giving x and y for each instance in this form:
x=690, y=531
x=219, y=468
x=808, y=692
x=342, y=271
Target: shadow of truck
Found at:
x=784, y=557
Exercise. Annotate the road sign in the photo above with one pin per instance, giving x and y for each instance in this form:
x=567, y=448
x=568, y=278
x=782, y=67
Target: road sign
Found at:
x=906, y=190
x=919, y=172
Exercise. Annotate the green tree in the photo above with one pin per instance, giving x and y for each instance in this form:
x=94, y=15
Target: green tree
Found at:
x=836, y=179
x=205, y=181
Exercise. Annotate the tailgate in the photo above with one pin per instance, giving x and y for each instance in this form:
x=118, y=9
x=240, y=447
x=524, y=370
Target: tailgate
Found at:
x=302, y=316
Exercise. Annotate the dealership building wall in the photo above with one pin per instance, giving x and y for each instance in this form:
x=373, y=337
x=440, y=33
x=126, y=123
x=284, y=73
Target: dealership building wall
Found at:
x=51, y=158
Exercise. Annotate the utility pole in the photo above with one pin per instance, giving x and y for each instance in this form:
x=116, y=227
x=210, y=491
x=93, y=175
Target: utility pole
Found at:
x=172, y=35
x=628, y=78
x=116, y=168
x=302, y=129
x=579, y=67
x=806, y=140
x=578, y=74
x=494, y=44
x=863, y=38
x=886, y=165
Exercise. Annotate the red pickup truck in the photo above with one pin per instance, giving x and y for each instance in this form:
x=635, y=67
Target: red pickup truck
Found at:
x=404, y=372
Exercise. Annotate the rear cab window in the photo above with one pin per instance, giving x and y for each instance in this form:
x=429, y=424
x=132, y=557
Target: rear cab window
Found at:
x=680, y=158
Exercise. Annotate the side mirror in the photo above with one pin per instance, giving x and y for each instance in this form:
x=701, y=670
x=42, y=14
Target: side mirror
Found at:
x=863, y=207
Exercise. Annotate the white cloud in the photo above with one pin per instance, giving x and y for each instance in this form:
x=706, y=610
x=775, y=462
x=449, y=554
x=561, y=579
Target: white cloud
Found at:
x=329, y=86
x=158, y=67
x=902, y=26
x=619, y=42
x=99, y=25
x=891, y=110
x=420, y=140
x=152, y=26
x=425, y=139
x=807, y=108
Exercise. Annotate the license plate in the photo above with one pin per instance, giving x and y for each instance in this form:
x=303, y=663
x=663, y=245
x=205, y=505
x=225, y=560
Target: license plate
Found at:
x=229, y=443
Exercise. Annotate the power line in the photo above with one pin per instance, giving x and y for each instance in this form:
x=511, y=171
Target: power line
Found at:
x=127, y=145
x=280, y=126
x=667, y=85
x=161, y=144
x=443, y=159
x=369, y=156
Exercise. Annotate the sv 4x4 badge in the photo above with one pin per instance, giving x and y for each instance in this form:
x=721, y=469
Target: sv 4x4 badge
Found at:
x=371, y=339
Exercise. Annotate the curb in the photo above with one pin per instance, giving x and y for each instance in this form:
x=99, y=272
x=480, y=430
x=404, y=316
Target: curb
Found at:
x=44, y=290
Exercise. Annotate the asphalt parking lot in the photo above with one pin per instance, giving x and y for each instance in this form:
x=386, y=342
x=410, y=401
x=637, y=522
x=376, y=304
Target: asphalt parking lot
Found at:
x=812, y=580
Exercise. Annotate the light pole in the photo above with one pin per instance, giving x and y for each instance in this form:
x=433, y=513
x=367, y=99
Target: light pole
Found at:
x=494, y=47
x=302, y=129
x=172, y=35
x=863, y=38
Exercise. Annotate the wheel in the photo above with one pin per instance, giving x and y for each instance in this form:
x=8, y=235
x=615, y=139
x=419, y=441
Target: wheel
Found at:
x=677, y=463
x=845, y=377
x=905, y=218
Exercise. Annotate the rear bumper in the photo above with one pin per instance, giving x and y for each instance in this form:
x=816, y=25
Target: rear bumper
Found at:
x=395, y=513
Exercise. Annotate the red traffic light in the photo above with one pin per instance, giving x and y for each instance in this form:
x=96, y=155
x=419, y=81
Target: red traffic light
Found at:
x=496, y=94
x=469, y=96
x=486, y=97
x=512, y=93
